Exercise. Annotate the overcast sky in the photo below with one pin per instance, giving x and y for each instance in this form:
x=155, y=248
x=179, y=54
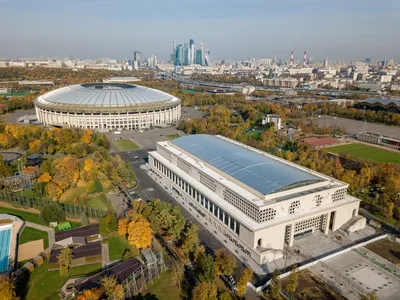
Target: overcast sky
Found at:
x=231, y=29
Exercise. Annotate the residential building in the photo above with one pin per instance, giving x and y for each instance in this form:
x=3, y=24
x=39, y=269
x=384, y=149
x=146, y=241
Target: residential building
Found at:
x=276, y=119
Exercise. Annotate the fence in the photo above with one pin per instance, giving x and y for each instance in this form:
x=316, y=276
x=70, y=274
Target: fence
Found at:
x=71, y=210
x=314, y=262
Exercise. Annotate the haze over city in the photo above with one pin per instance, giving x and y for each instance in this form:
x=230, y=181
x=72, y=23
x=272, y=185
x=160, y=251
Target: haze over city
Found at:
x=340, y=30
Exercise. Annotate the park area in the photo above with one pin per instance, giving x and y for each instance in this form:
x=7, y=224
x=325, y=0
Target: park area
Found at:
x=366, y=152
x=96, y=200
x=44, y=284
x=312, y=287
x=387, y=249
x=126, y=145
x=118, y=245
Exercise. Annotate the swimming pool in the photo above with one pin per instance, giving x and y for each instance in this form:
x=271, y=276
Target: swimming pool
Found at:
x=5, y=237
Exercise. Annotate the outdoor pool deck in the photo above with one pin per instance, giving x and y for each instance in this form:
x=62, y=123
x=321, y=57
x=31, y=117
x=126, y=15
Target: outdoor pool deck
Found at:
x=10, y=226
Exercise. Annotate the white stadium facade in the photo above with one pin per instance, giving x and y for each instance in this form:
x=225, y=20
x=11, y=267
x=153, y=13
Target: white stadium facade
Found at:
x=253, y=202
x=107, y=106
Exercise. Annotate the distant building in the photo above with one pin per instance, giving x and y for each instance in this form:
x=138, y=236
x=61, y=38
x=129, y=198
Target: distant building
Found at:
x=137, y=56
x=326, y=63
x=281, y=82
x=121, y=79
x=276, y=119
x=391, y=105
x=199, y=57
x=373, y=138
x=386, y=78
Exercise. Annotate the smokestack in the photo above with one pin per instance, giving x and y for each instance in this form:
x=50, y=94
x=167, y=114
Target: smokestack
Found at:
x=304, y=59
x=291, y=60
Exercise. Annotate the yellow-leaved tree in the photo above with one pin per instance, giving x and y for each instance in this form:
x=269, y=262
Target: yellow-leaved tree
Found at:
x=7, y=289
x=139, y=232
x=123, y=226
x=45, y=177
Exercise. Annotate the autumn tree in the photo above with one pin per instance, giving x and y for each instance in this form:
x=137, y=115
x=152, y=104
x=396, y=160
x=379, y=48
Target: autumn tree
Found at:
x=118, y=292
x=139, y=232
x=108, y=224
x=369, y=296
x=44, y=178
x=190, y=239
x=5, y=169
x=108, y=283
x=91, y=294
x=87, y=136
x=7, y=289
x=292, y=284
x=275, y=286
x=205, y=291
x=225, y=295
x=53, y=190
x=123, y=226
x=245, y=277
x=35, y=146
x=177, y=274
x=64, y=259
x=225, y=262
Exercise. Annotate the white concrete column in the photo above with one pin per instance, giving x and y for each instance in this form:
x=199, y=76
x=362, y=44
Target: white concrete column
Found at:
x=328, y=218
x=291, y=238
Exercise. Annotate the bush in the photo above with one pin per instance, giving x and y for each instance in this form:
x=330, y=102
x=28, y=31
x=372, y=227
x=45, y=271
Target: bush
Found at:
x=98, y=186
x=52, y=213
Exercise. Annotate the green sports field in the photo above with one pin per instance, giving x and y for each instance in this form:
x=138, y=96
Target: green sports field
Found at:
x=367, y=152
x=126, y=145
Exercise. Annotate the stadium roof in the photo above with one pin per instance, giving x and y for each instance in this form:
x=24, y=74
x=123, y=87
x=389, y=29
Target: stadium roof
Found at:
x=104, y=96
x=384, y=102
x=262, y=172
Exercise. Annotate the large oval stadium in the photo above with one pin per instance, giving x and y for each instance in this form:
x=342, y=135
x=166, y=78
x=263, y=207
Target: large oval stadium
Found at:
x=107, y=106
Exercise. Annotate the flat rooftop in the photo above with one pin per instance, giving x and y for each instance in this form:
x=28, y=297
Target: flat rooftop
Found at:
x=261, y=171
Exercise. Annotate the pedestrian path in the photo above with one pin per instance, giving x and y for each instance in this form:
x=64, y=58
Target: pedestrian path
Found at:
x=49, y=230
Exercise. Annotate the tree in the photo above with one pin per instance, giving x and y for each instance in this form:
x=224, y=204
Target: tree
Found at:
x=292, y=284
x=177, y=224
x=245, y=277
x=190, y=239
x=64, y=260
x=370, y=296
x=7, y=289
x=118, y=292
x=108, y=223
x=225, y=295
x=123, y=226
x=109, y=283
x=92, y=294
x=45, y=177
x=205, y=291
x=177, y=274
x=52, y=213
x=5, y=169
x=139, y=232
x=35, y=146
x=275, y=286
x=84, y=219
x=205, y=268
x=53, y=190
x=225, y=262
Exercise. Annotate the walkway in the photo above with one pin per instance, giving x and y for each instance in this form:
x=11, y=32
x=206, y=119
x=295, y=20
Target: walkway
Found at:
x=104, y=254
x=49, y=230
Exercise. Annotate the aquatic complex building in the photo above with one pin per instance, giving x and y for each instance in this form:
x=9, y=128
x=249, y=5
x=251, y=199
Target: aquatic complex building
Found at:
x=253, y=202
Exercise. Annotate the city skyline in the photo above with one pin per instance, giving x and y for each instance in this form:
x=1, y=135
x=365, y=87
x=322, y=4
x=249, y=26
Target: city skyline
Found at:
x=232, y=29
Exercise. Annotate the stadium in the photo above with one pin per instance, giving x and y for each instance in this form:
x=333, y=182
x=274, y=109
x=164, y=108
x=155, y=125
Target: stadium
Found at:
x=107, y=106
x=390, y=105
x=255, y=203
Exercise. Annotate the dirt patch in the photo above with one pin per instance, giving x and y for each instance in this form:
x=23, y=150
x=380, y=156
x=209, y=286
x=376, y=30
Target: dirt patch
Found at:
x=387, y=249
x=30, y=250
x=312, y=287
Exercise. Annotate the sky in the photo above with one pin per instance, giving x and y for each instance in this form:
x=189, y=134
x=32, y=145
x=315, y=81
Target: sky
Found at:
x=230, y=29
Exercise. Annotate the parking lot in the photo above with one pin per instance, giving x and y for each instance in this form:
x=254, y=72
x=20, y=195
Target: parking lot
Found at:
x=354, y=126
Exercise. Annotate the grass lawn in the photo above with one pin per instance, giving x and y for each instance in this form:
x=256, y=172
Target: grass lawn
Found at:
x=367, y=152
x=117, y=245
x=43, y=284
x=96, y=201
x=162, y=288
x=387, y=249
x=172, y=136
x=126, y=145
x=28, y=216
x=31, y=234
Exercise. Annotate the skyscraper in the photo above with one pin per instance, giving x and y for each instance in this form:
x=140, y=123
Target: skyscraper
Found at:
x=199, y=57
x=179, y=55
x=326, y=63
x=137, y=57
x=192, y=54
x=202, y=53
x=186, y=54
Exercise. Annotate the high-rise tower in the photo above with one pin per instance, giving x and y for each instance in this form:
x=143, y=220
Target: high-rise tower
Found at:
x=192, y=54
x=291, y=60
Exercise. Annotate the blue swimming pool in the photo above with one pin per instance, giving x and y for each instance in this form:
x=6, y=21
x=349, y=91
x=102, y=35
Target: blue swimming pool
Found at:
x=5, y=237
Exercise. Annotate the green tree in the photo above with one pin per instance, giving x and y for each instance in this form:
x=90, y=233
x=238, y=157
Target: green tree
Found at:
x=52, y=213
x=292, y=284
x=108, y=224
x=84, y=219
x=178, y=223
x=190, y=239
x=275, y=286
x=245, y=277
x=225, y=262
x=205, y=267
x=177, y=274
x=64, y=259
x=108, y=283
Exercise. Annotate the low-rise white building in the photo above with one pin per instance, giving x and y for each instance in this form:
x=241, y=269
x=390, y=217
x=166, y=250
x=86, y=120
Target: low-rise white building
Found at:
x=276, y=119
x=253, y=202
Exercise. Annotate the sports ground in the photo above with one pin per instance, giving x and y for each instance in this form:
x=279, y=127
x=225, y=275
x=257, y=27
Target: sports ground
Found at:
x=367, y=152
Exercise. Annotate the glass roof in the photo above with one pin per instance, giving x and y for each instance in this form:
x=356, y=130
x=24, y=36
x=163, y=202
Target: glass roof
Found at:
x=260, y=172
